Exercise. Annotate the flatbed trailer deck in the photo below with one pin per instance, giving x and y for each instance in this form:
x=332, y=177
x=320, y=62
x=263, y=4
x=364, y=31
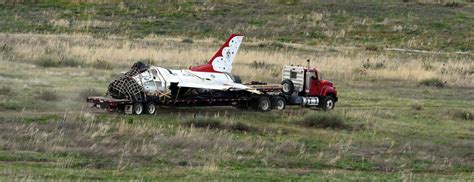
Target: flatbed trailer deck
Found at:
x=270, y=91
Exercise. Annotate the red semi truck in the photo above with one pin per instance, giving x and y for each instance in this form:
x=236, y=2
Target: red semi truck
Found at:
x=300, y=86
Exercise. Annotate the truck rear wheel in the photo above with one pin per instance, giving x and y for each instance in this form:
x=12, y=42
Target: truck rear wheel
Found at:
x=138, y=108
x=264, y=104
x=279, y=103
x=287, y=87
x=150, y=108
x=328, y=103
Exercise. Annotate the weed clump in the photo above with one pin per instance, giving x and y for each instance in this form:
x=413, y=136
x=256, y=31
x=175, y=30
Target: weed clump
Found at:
x=204, y=122
x=241, y=127
x=432, y=82
x=6, y=48
x=276, y=45
x=189, y=41
x=47, y=95
x=88, y=92
x=6, y=90
x=324, y=120
x=417, y=106
x=372, y=47
x=462, y=114
x=377, y=65
x=259, y=65
x=214, y=123
x=101, y=64
x=49, y=62
x=10, y=105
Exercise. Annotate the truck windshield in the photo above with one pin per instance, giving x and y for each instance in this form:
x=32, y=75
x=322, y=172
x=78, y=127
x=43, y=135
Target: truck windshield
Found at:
x=312, y=74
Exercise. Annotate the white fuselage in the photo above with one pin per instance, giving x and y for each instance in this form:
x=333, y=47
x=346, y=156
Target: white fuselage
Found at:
x=159, y=80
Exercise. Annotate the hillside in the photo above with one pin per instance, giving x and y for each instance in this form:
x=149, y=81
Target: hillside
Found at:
x=405, y=109
x=410, y=25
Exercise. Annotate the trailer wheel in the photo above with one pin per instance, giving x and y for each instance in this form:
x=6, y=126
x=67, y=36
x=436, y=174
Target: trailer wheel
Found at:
x=150, y=108
x=328, y=103
x=264, y=104
x=279, y=103
x=138, y=108
x=287, y=87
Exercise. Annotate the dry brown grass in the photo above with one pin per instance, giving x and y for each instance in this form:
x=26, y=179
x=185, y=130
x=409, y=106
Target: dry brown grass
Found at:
x=345, y=64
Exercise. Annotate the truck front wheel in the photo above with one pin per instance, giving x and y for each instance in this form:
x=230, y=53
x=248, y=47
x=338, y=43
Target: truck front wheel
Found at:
x=138, y=108
x=264, y=104
x=328, y=103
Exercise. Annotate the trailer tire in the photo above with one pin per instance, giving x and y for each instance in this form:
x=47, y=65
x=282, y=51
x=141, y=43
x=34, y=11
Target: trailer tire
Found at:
x=328, y=103
x=138, y=108
x=279, y=103
x=287, y=87
x=150, y=108
x=264, y=104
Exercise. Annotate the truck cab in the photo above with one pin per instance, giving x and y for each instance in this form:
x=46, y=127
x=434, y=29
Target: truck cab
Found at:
x=305, y=85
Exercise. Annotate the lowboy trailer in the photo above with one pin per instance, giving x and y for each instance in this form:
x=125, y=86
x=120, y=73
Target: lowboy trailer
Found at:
x=301, y=86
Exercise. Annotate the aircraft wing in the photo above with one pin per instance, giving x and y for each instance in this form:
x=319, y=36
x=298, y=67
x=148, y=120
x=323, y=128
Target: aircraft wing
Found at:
x=199, y=80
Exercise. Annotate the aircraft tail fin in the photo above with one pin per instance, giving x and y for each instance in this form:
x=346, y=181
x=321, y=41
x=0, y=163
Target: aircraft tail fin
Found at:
x=224, y=57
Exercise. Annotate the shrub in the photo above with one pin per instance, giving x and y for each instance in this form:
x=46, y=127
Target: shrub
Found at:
x=6, y=48
x=214, y=123
x=6, y=90
x=277, y=45
x=432, y=82
x=189, y=41
x=427, y=66
x=101, y=64
x=360, y=71
x=10, y=105
x=70, y=62
x=377, y=65
x=324, y=120
x=88, y=92
x=241, y=127
x=47, y=95
x=453, y=4
x=417, y=106
x=259, y=65
x=462, y=114
x=204, y=122
x=49, y=62
x=372, y=47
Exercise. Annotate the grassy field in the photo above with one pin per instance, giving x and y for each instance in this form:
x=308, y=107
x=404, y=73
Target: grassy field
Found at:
x=403, y=114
